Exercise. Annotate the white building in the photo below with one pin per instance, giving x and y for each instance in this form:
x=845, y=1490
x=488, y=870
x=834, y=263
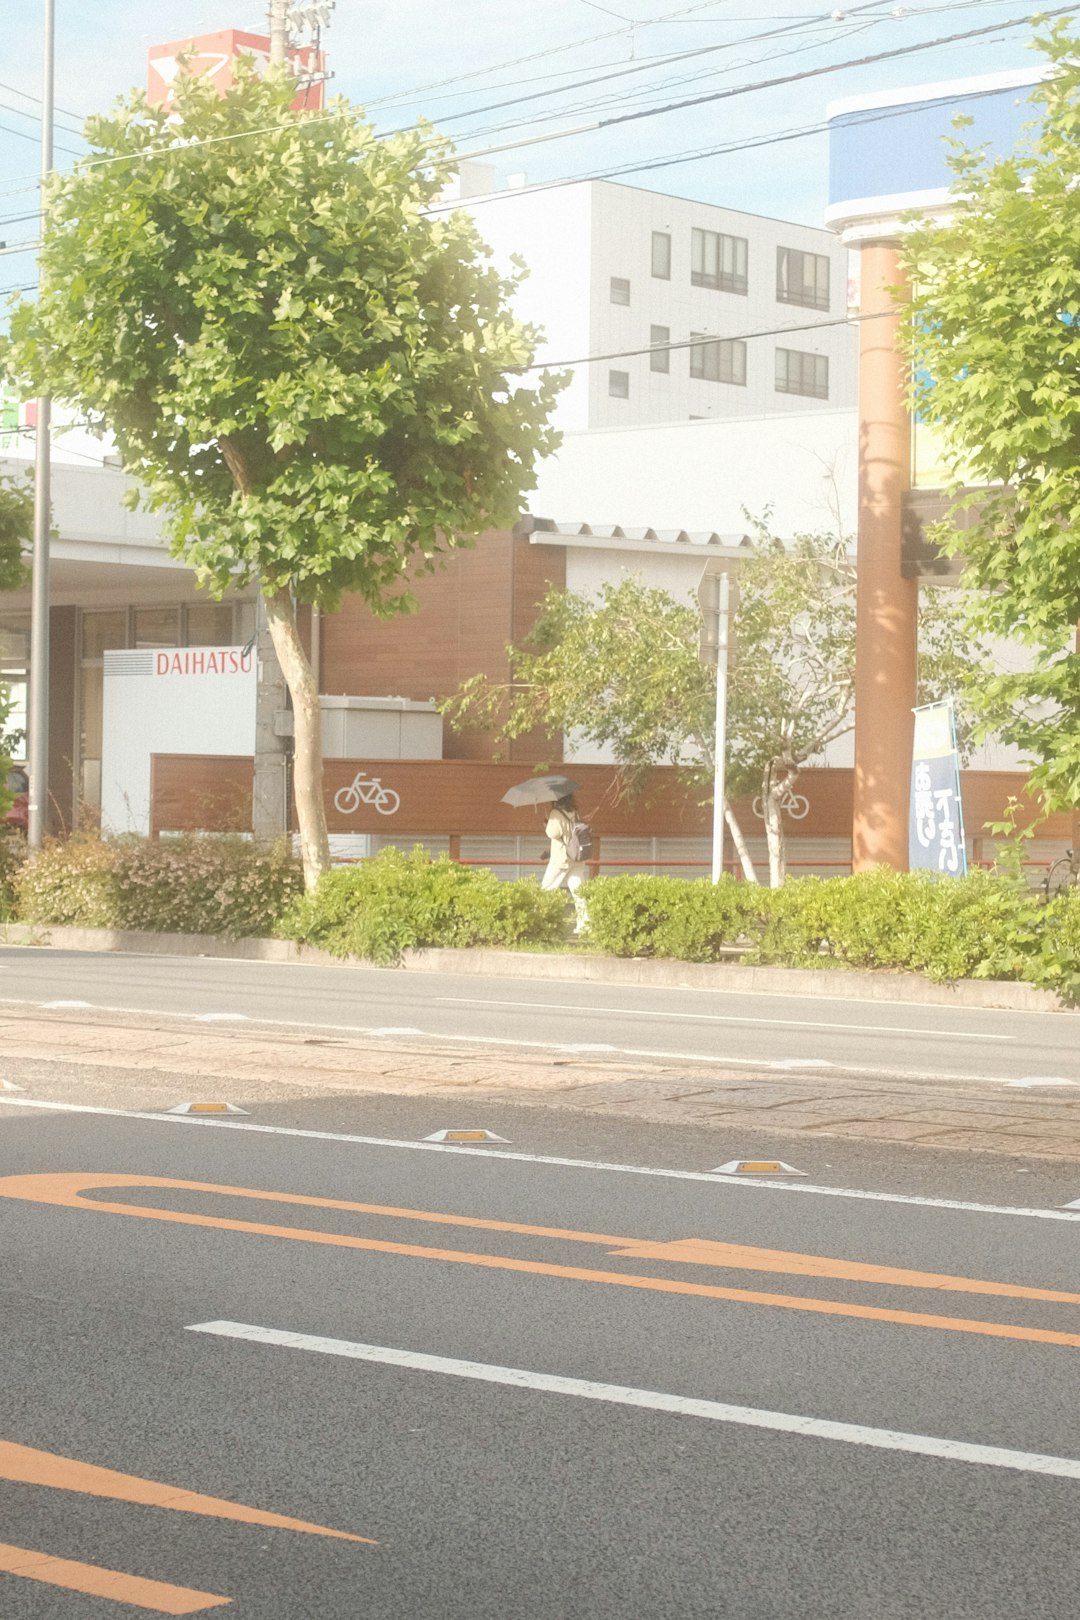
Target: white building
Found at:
x=616, y=272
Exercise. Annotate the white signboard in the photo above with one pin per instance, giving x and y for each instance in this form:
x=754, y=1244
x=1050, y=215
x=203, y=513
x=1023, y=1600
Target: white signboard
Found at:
x=183, y=700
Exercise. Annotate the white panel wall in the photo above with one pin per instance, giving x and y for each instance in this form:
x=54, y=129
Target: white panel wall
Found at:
x=705, y=475
x=551, y=231
x=195, y=700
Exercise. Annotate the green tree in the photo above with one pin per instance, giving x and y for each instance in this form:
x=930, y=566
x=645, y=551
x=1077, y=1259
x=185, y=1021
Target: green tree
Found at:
x=309, y=373
x=622, y=670
x=16, y=528
x=993, y=332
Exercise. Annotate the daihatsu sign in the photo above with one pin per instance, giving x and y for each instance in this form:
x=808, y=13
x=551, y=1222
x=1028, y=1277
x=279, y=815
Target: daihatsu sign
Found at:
x=183, y=700
x=204, y=661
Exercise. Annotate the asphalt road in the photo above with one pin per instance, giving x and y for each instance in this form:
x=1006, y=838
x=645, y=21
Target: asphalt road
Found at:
x=544, y=1390
x=692, y=1025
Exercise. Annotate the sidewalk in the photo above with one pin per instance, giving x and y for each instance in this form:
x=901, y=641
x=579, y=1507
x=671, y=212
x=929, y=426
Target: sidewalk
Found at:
x=153, y=1063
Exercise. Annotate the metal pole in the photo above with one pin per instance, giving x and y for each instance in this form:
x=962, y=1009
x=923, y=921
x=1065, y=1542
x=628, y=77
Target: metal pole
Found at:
x=723, y=615
x=38, y=716
x=279, y=32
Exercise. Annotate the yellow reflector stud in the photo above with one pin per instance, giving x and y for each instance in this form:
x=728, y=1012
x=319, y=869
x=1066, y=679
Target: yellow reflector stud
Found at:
x=757, y=1167
x=464, y=1136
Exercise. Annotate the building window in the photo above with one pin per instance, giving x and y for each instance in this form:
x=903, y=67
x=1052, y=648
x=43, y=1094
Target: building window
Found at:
x=620, y=290
x=208, y=624
x=660, y=358
x=802, y=278
x=661, y=255
x=800, y=373
x=718, y=261
x=718, y=360
x=618, y=384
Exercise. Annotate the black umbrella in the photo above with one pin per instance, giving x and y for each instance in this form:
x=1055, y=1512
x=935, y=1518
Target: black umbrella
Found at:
x=540, y=790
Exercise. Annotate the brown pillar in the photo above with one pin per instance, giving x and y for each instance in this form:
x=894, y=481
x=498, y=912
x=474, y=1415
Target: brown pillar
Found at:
x=887, y=615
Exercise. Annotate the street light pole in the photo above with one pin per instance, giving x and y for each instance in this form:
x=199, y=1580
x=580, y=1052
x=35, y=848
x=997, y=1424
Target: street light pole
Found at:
x=38, y=715
x=723, y=623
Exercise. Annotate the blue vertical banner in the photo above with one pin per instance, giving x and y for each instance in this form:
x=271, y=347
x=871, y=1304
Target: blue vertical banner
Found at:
x=936, y=823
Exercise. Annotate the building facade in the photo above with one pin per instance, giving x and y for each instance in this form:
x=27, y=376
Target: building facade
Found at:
x=696, y=312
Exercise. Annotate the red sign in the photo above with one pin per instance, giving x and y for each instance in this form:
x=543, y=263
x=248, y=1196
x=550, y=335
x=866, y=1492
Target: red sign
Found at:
x=213, y=57
x=203, y=661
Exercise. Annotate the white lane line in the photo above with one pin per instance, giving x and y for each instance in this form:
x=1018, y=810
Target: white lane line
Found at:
x=716, y=1060
x=710, y=1176
x=750, y=1417
x=732, y=1018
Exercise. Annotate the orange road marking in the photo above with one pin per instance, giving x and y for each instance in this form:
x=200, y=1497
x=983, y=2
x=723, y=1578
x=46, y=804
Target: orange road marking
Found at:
x=66, y=1191
x=107, y=1583
x=25, y=1466
x=704, y=1252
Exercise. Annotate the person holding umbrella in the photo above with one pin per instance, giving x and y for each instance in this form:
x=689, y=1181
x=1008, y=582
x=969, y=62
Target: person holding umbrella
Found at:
x=571, y=840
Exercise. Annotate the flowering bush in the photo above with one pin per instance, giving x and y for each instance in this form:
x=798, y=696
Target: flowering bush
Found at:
x=188, y=885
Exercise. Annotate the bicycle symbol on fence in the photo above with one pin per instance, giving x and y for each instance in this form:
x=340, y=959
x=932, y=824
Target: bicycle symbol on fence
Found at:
x=366, y=790
x=795, y=805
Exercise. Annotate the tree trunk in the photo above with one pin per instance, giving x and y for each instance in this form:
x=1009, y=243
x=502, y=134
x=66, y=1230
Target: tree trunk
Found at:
x=774, y=786
x=307, y=736
x=737, y=838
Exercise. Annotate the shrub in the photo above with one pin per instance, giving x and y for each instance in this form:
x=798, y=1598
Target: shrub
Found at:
x=664, y=916
x=69, y=884
x=12, y=855
x=981, y=926
x=397, y=902
x=187, y=885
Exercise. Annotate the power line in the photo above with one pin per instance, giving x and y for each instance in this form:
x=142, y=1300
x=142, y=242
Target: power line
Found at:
x=701, y=338
x=26, y=96
x=651, y=66
x=868, y=60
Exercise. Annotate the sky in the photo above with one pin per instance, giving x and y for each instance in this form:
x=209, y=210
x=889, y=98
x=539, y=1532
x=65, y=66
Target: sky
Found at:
x=446, y=60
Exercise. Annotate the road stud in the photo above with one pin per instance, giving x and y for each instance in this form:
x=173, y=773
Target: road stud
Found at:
x=9, y=1085
x=207, y=1108
x=757, y=1167
x=464, y=1136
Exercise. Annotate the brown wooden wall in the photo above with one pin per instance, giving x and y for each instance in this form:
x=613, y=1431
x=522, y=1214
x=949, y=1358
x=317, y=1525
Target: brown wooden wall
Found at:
x=462, y=797
x=477, y=600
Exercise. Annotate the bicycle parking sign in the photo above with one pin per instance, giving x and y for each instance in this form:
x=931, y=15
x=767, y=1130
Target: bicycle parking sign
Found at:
x=364, y=789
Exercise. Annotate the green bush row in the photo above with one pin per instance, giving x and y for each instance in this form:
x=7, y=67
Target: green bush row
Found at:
x=187, y=885
x=983, y=926
x=397, y=902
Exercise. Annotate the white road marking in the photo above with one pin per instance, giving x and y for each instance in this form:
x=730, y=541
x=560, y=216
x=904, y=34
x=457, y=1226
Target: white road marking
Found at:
x=800, y=1063
x=220, y=1018
x=57, y=1005
x=1030, y=1080
x=545, y=1158
x=712, y=1058
x=731, y=1018
x=391, y=1029
x=751, y=1417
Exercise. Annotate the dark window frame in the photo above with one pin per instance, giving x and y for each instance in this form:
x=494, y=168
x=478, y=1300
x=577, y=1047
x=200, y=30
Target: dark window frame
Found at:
x=808, y=377
x=665, y=237
x=794, y=286
x=718, y=360
x=619, y=393
x=660, y=358
x=730, y=260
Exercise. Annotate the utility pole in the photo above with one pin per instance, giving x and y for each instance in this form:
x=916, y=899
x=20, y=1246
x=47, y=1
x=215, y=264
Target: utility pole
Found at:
x=723, y=620
x=38, y=717
x=270, y=786
x=279, y=32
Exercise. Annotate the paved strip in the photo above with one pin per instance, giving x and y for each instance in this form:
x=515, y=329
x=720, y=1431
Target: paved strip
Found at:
x=758, y=1064
x=1067, y=1214
x=94, y=1581
x=64, y=1191
x=1028, y=1462
x=24, y=1465
x=732, y=1018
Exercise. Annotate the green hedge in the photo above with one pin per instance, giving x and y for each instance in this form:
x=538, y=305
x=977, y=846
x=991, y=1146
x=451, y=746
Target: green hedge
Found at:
x=396, y=902
x=983, y=926
x=188, y=885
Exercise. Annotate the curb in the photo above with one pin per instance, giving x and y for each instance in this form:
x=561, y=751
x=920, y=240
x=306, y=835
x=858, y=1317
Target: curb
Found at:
x=825, y=983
